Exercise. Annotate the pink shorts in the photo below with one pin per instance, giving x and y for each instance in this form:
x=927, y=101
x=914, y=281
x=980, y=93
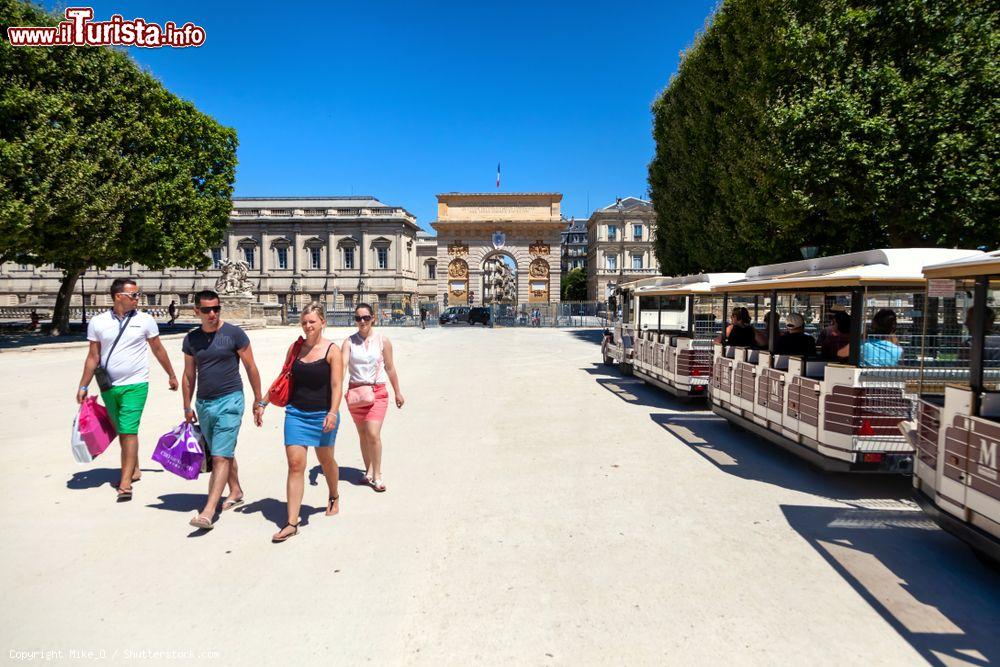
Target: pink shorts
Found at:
x=376, y=411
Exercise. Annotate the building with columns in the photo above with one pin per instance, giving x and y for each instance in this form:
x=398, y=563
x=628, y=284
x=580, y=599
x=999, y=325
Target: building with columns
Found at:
x=338, y=250
x=620, y=246
x=522, y=229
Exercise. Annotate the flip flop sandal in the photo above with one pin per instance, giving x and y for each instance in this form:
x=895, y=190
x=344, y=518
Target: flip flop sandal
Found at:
x=378, y=485
x=230, y=504
x=201, y=522
x=124, y=495
x=276, y=539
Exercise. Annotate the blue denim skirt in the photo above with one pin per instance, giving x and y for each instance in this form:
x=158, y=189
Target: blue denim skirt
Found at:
x=305, y=429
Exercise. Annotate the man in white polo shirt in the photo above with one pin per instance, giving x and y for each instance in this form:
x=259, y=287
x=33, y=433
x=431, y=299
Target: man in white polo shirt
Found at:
x=118, y=340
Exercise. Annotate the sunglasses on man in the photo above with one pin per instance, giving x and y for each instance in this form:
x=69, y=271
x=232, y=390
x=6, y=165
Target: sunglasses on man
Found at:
x=205, y=310
x=362, y=318
x=131, y=295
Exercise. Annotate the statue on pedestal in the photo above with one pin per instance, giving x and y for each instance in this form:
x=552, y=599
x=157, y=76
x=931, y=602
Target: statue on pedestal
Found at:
x=233, y=280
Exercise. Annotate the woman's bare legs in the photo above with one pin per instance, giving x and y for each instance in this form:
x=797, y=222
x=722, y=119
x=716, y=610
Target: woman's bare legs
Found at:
x=373, y=434
x=332, y=474
x=296, y=483
x=365, y=450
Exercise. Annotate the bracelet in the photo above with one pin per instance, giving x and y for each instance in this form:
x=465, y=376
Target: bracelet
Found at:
x=261, y=404
x=187, y=410
x=84, y=388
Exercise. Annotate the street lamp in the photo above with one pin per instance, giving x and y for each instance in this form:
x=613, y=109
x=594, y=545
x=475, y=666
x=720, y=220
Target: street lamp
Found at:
x=809, y=251
x=294, y=288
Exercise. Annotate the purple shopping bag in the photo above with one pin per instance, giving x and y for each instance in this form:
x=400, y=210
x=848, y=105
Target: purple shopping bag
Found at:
x=179, y=452
x=95, y=427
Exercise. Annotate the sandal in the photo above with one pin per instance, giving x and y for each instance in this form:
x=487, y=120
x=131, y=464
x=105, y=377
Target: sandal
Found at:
x=232, y=502
x=378, y=485
x=276, y=538
x=124, y=495
x=201, y=522
x=329, y=505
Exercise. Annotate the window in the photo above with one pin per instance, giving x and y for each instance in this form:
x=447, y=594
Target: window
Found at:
x=382, y=258
x=349, y=257
x=612, y=232
x=432, y=271
x=248, y=256
x=612, y=262
x=282, y=257
x=315, y=257
x=349, y=301
x=636, y=261
x=637, y=232
x=216, y=258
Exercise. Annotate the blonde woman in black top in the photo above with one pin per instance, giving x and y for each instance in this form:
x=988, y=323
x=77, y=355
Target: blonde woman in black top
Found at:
x=312, y=415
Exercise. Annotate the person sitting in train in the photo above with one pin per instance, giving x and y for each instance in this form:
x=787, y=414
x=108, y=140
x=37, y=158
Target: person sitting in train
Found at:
x=760, y=335
x=837, y=337
x=881, y=348
x=795, y=341
x=740, y=332
x=991, y=347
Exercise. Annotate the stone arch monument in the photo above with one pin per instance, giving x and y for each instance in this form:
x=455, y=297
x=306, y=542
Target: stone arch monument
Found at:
x=474, y=230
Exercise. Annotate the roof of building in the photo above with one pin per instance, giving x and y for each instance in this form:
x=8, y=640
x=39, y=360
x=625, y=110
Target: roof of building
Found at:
x=334, y=201
x=500, y=194
x=578, y=225
x=628, y=203
x=422, y=235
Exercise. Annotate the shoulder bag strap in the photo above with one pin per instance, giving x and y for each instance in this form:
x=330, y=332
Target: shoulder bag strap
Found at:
x=121, y=330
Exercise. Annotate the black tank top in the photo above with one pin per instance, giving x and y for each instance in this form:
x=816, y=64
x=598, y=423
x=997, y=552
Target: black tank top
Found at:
x=311, y=384
x=741, y=336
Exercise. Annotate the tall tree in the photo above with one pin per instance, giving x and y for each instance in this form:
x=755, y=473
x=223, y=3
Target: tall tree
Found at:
x=100, y=165
x=846, y=124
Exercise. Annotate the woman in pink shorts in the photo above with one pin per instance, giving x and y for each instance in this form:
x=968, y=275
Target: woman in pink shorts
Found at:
x=368, y=360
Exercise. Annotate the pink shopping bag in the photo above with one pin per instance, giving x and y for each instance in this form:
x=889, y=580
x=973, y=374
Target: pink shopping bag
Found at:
x=179, y=452
x=95, y=427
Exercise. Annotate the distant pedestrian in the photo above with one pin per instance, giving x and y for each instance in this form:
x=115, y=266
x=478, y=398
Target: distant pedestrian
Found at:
x=35, y=321
x=212, y=356
x=118, y=360
x=368, y=360
x=312, y=416
x=172, y=311
x=423, y=318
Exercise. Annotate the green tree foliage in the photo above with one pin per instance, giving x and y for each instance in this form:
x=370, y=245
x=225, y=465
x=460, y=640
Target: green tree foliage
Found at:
x=574, y=285
x=100, y=165
x=847, y=124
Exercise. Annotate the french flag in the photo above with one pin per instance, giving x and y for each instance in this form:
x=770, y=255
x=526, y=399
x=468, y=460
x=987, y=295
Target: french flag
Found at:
x=498, y=175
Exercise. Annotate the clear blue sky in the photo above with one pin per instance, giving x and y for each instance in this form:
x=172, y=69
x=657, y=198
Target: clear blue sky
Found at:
x=403, y=100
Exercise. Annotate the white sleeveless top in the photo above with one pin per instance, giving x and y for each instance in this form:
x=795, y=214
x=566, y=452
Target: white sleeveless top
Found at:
x=366, y=358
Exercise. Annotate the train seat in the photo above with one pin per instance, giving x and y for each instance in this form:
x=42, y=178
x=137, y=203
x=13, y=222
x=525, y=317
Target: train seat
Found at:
x=815, y=369
x=781, y=362
x=990, y=408
x=729, y=352
x=753, y=356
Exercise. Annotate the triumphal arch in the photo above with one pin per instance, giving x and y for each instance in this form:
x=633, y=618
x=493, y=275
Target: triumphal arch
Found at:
x=498, y=248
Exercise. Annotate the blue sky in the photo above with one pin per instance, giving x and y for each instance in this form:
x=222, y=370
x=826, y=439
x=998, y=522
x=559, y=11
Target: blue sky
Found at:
x=403, y=100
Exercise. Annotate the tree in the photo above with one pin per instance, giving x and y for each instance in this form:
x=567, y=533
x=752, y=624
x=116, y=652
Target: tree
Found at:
x=574, y=285
x=847, y=124
x=100, y=165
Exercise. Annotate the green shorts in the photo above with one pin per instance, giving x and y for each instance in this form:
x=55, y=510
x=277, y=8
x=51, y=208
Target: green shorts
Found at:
x=125, y=404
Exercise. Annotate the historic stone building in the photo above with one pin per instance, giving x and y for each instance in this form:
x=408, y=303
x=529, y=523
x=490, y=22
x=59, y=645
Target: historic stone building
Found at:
x=620, y=246
x=521, y=229
x=338, y=250
x=573, y=249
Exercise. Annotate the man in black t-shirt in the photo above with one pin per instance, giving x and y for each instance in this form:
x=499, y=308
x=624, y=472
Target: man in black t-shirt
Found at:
x=212, y=356
x=795, y=341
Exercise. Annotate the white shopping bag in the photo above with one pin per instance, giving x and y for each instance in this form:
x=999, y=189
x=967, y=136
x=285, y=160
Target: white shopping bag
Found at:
x=79, y=447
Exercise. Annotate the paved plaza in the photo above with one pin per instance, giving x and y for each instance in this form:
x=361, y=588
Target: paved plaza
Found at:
x=541, y=509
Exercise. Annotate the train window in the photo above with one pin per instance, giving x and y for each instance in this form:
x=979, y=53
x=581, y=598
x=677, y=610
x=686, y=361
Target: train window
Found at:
x=674, y=303
x=647, y=303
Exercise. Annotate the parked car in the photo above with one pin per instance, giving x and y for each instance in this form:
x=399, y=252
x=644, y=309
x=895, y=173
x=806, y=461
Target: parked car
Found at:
x=480, y=315
x=454, y=314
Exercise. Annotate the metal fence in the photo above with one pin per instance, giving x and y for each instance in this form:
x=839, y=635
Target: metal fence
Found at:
x=573, y=314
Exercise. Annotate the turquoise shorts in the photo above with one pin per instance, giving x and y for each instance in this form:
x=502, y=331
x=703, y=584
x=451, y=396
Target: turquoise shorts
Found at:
x=220, y=419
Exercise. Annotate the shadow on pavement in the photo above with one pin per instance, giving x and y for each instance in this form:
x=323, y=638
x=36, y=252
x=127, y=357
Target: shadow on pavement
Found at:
x=276, y=511
x=926, y=584
x=588, y=335
x=180, y=502
x=354, y=476
x=95, y=477
x=633, y=390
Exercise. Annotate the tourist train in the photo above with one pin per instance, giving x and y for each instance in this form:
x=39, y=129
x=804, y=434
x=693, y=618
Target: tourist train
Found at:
x=956, y=430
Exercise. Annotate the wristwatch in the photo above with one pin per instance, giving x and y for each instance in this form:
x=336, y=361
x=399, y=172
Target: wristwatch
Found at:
x=261, y=404
x=187, y=410
x=83, y=388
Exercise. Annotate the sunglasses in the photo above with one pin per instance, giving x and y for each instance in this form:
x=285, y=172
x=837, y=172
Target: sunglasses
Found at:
x=362, y=318
x=205, y=310
x=131, y=295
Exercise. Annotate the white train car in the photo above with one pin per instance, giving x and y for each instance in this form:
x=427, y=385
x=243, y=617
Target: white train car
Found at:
x=956, y=432
x=675, y=321
x=838, y=401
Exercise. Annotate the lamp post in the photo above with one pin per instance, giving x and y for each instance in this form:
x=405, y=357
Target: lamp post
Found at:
x=809, y=251
x=83, y=299
x=294, y=288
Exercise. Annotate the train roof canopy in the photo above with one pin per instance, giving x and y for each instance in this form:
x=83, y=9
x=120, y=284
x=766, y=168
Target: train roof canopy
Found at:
x=974, y=265
x=892, y=267
x=699, y=283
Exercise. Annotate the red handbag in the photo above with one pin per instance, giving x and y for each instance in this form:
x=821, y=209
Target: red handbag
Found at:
x=281, y=389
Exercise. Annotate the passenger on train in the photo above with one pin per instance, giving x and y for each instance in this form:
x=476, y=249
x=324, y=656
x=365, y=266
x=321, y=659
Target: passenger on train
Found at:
x=837, y=338
x=740, y=332
x=991, y=349
x=760, y=335
x=795, y=341
x=881, y=348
